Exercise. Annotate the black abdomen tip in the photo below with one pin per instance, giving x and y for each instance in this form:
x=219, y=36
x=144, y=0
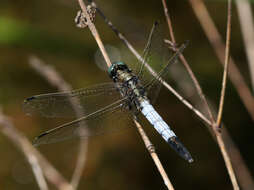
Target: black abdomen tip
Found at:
x=176, y=144
x=29, y=99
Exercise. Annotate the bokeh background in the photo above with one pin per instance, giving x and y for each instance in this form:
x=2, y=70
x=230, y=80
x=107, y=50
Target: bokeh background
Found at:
x=120, y=160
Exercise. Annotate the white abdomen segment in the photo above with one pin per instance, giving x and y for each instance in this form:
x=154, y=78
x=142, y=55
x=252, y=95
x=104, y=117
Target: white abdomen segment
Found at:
x=164, y=130
x=155, y=119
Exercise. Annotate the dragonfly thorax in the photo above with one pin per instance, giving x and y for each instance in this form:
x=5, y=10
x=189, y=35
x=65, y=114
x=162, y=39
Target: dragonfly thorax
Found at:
x=115, y=67
x=128, y=83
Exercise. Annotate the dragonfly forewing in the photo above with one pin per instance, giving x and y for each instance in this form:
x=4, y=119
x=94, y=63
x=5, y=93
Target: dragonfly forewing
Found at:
x=68, y=104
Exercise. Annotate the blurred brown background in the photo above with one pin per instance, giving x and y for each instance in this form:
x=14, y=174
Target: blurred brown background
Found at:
x=116, y=161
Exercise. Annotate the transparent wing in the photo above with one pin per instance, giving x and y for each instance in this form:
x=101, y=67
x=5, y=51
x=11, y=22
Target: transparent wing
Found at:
x=61, y=104
x=158, y=58
x=153, y=87
x=147, y=51
x=108, y=119
x=156, y=54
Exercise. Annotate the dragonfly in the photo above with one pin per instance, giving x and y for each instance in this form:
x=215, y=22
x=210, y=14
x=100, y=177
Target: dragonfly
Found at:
x=131, y=93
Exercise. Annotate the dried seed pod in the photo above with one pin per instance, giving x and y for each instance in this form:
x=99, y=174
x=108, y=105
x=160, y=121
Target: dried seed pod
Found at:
x=81, y=20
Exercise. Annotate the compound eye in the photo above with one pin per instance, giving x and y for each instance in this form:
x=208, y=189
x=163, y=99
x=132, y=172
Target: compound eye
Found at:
x=112, y=70
x=113, y=73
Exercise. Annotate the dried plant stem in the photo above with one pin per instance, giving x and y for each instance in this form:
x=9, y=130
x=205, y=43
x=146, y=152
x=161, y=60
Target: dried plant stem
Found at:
x=242, y=172
x=55, y=79
x=215, y=39
x=31, y=153
x=80, y=165
x=95, y=33
x=141, y=131
x=227, y=161
x=224, y=80
x=154, y=156
x=136, y=54
x=201, y=94
x=240, y=168
x=38, y=172
x=185, y=63
x=170, y=28
x=246, y=23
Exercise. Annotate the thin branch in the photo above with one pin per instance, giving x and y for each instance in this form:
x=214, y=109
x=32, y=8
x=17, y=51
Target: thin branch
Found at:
x=242, y=172
x=151, y=149
x=38, y=172
x=196, y=7
x=55, y=79
x=206, y=106
x=215, y=39
x=136, y=54
x=246, y=23
x=95, y=33
x=225, y=73
x=227, y=161
x=170, y=28
x=83, y=145
x=141, y=131
x=240, y=168
x=31, y=153
x=49, y=73
x=186, y=65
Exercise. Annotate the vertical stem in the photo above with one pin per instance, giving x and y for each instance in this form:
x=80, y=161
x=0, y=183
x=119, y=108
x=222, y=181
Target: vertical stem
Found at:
x=154, y=156
x=215, y=39
x=219, y=137
x=55, y=79
x=201, y=94
x=246, y=23
x=186, y=65
x=225, y=73
x=170, y=28
x=227, y=161
x=21, y=142
x=95, y=33
x=38, y=172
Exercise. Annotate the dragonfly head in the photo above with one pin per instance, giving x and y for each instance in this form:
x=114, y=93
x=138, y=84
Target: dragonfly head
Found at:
x=119, y=65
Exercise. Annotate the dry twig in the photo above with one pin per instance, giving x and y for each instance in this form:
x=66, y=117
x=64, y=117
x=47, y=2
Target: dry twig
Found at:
x=6, y=123
x=150, y=147
x=95, y=33
x=31, y=153
x=240, y=168
x=38, y=172
x=225, y=73
x=54, y=78
x=215, y=39
x=186, y=65
x=242, y=172
x=196, y=84
x=246, y=23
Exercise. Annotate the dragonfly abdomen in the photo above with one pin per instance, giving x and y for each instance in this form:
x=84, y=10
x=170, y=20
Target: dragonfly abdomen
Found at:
x=155, y=119
x=164, y=130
